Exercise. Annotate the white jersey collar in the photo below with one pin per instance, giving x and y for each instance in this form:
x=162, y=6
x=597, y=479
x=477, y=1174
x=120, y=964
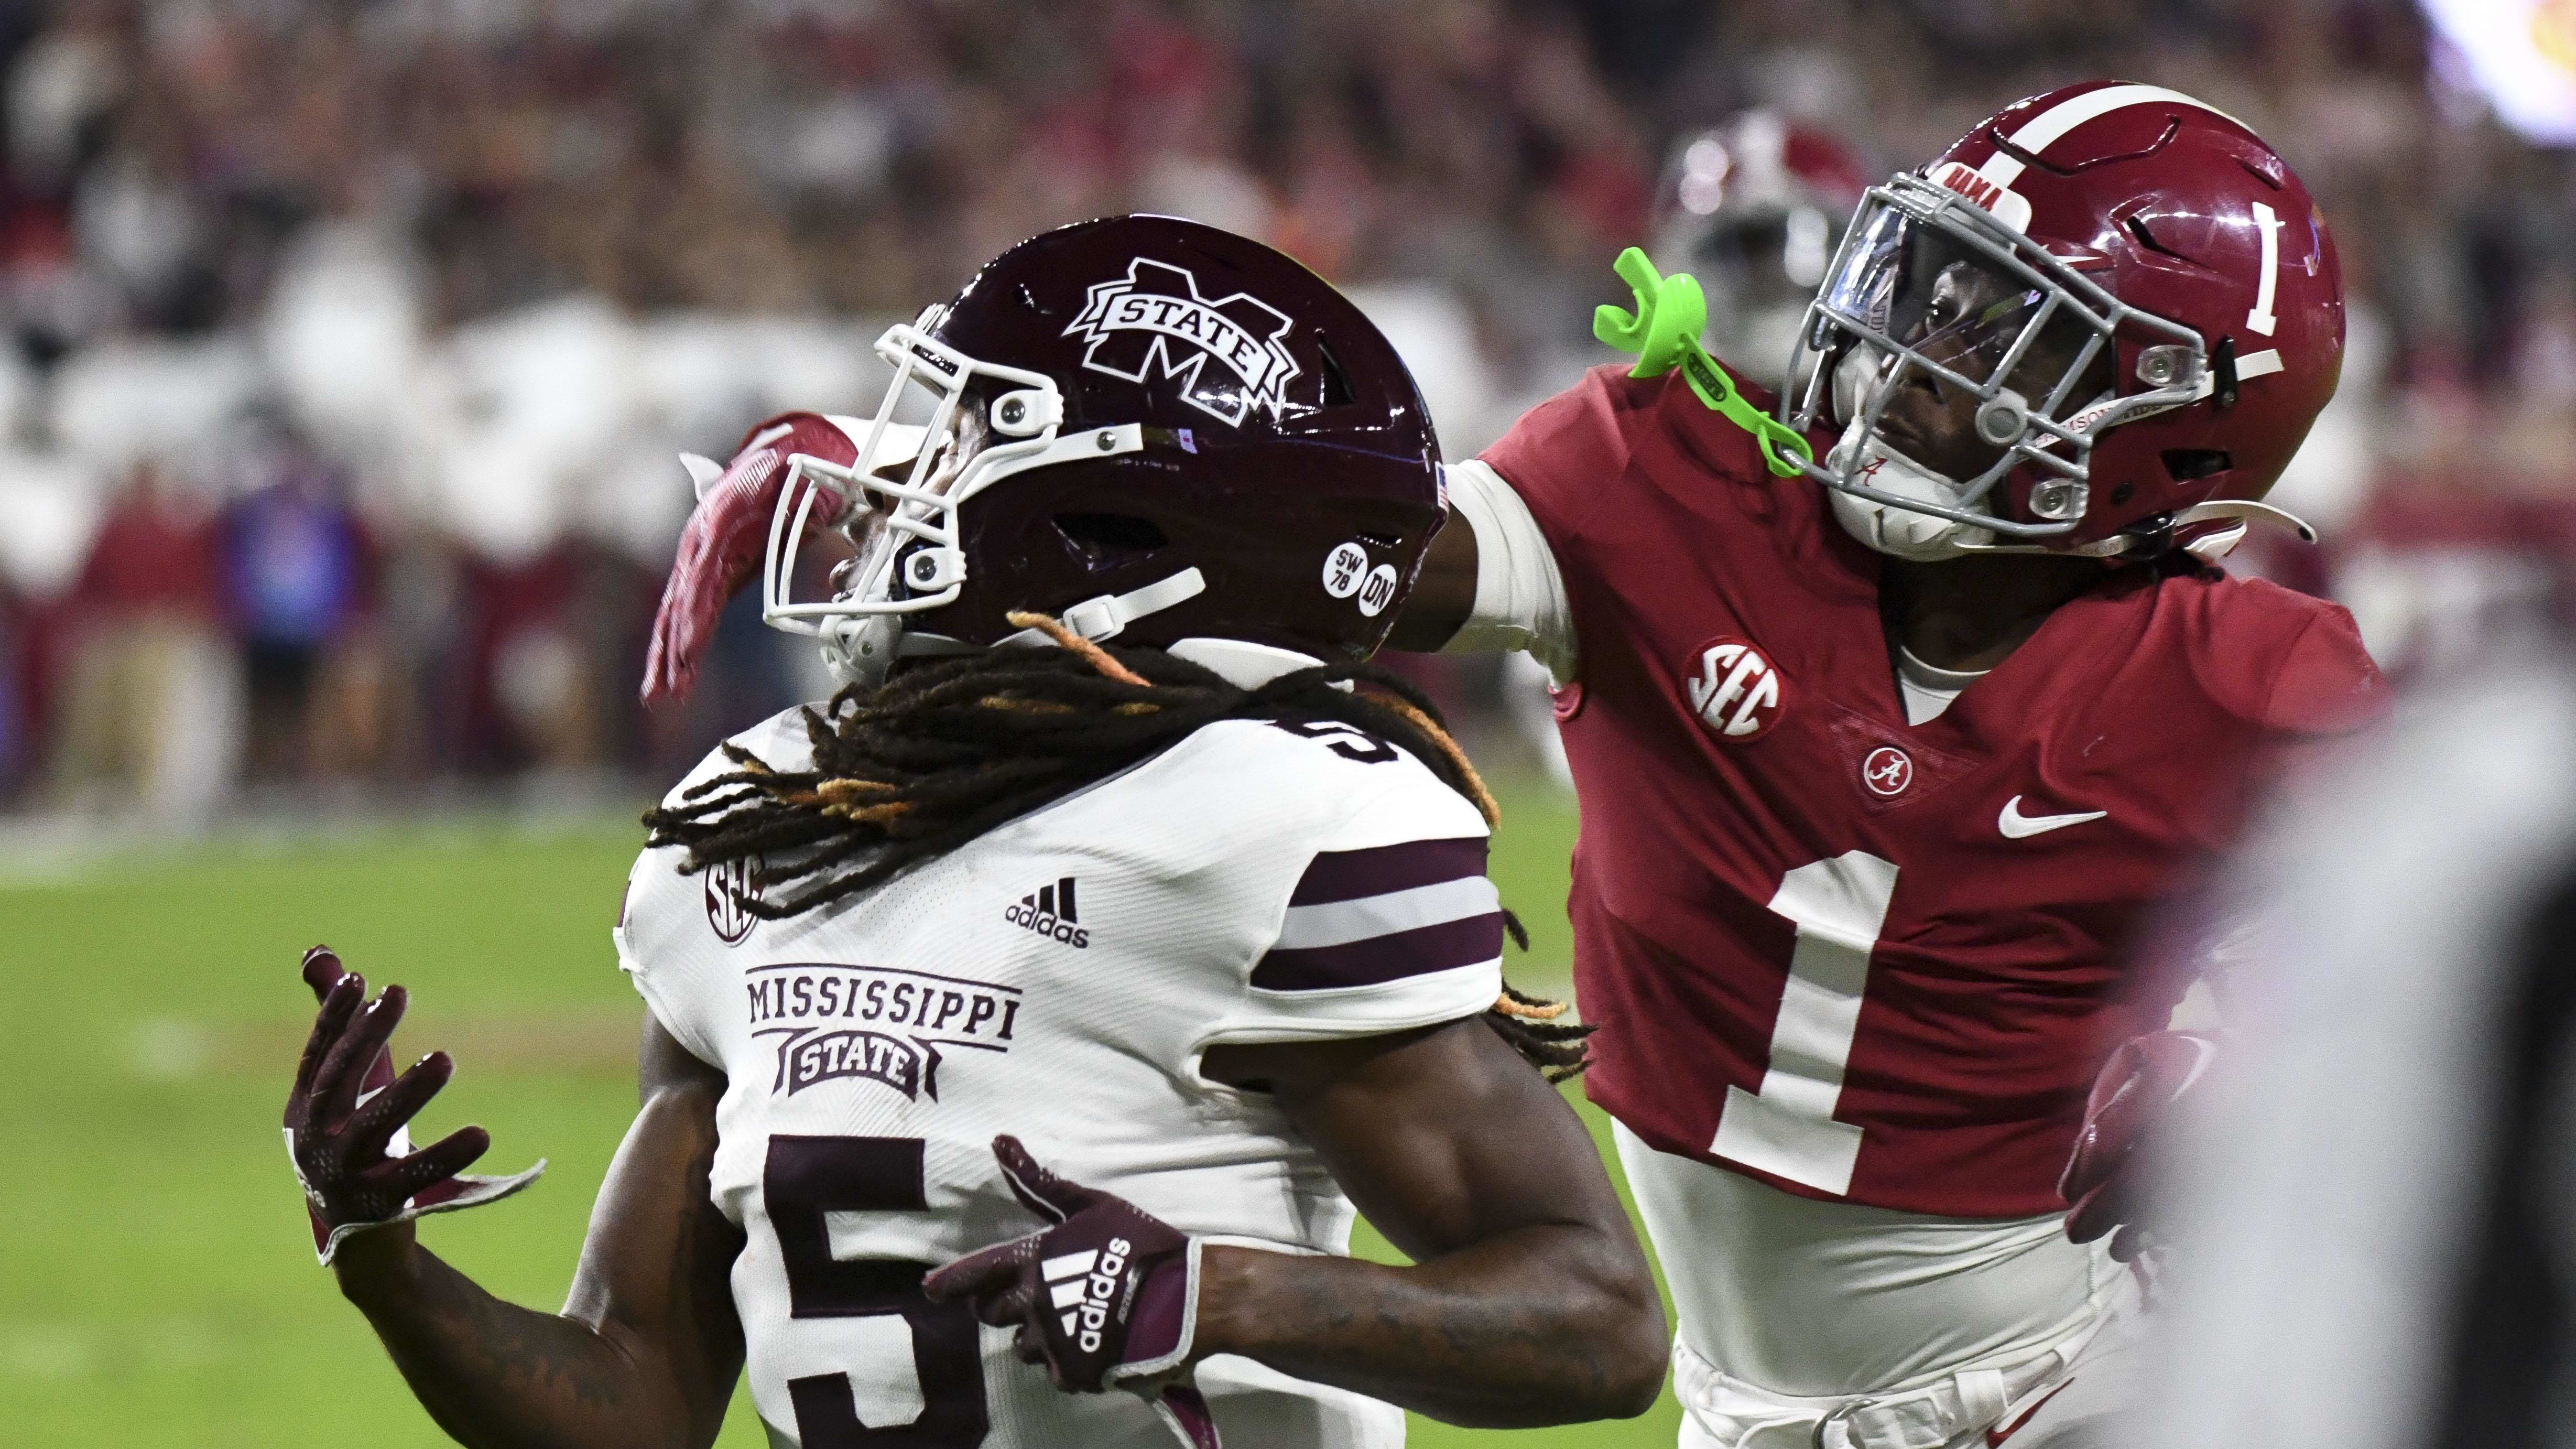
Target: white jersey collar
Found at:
x=1240, y=662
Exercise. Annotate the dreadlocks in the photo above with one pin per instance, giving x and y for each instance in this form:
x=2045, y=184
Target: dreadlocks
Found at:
x=946, y=751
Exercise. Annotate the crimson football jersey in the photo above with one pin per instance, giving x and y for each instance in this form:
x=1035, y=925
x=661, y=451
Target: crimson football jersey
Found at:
x=1856, y=958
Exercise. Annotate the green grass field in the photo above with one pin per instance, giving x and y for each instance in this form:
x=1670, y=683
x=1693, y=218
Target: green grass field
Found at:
x=157, y=1287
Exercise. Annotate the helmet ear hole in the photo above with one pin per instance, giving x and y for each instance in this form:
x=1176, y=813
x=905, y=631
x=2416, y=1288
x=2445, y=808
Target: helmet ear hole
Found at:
x=2189, y=465
x=1105, y=539
x=1338, y=392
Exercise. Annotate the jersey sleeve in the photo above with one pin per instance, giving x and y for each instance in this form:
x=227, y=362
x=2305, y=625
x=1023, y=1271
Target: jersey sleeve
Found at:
x=664, y=944
x=1520, y=592
x=2289, y=664
x=1388, y=923
x=2325, y=682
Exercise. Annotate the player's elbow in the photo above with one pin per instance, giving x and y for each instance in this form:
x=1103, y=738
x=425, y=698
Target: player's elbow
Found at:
x=1624, y=1325
x=1636, y=1364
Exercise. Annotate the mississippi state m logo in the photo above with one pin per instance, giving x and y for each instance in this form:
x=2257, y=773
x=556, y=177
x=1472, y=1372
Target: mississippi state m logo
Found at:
x=1734, y=690
x=1153, y=322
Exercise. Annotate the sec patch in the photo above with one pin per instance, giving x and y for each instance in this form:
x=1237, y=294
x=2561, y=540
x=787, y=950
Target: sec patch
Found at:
x=1735, y=689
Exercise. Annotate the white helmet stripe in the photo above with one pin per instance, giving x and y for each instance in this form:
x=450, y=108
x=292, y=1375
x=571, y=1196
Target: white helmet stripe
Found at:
x=2003, y=168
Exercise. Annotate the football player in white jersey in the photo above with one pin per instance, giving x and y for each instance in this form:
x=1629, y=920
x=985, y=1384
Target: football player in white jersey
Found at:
x=1115, y=978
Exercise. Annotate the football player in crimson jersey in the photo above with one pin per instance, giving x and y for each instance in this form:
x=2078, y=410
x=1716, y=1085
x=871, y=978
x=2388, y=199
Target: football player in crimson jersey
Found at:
x=1184, y=918
x=1894, y=707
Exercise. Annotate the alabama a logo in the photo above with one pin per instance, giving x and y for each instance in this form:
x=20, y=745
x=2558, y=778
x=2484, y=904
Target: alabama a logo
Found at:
x=1887, y=770
x=1153, y=322
x=1735, y=690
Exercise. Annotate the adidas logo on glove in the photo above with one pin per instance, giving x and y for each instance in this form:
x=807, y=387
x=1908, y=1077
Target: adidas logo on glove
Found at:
x=1048, y=910
x=1081, y=1284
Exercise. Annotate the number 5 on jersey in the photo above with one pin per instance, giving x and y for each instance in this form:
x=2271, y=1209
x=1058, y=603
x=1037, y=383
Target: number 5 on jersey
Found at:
x=1788, y=1129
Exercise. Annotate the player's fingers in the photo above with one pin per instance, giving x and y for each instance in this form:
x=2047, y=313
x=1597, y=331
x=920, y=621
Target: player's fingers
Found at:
x=1016, y=1302
x=344, y=1071
x=1041, y=1191
x=668, y=665
x=322, y=970
x=373, y=1127
x=436, y=1163
x=2100, y=1211
x=339, y=1003
x=982, y=1275
x=2111, y=1128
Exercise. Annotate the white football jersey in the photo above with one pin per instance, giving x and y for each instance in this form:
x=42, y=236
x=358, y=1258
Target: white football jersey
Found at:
x=1056, y=979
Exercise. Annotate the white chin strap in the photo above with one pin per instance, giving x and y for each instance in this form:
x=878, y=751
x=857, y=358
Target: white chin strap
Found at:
x=861, y=650
x=1889, y=529
x=2241, y=514
x=1106, y=616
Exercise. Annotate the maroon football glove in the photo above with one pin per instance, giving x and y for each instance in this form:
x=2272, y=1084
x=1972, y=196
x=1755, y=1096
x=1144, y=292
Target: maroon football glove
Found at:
x=345, y=1120
x=1106, y=1298
x=727, y=536
x=2133, y=1099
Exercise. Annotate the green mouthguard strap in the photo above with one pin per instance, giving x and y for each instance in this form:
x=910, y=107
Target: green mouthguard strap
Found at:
x=1664, y=334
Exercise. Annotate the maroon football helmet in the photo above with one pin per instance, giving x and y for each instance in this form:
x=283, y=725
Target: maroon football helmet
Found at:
x=1149, y=428
x=2137, y=293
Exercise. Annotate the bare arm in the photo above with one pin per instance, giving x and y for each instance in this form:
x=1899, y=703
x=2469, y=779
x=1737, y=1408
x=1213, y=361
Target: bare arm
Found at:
x=647, y=1349
x=1529, y=1301
x=1443, y=595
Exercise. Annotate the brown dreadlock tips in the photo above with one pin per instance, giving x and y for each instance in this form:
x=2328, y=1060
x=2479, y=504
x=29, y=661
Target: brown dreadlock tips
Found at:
x=844, y=791
x=1482, y=798
x=1065, y=638
x=1024, y=706
x=1510, y=1005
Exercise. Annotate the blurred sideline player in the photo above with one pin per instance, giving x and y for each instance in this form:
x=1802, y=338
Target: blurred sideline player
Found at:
x=1186, y=920
x=1879, y=777
x=1754, y=207
x=2369, y=1201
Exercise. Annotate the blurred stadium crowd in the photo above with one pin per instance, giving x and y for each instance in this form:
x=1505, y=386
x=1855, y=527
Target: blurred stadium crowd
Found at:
x=353, y=341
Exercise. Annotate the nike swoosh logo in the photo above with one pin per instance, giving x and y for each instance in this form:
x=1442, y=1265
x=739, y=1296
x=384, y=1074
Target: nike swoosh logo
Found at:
x=1994, y=1439
x=2017, y=826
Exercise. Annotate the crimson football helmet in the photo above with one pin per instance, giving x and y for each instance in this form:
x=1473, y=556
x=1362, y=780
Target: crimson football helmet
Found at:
x=1149, y=428
x=1754, y=208
x=2138, y=295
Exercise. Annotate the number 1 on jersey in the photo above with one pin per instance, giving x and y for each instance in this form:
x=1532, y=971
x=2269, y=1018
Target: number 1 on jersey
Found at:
x=1788, y=1130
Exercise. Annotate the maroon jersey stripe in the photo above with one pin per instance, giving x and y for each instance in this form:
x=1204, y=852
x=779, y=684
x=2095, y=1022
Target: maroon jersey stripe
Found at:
x=1347, y=875
x=1378, y=959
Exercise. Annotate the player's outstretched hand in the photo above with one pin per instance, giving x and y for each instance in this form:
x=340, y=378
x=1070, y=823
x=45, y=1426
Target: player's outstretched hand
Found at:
x=726, y=536
x=347, y=1118
x=2137, y=1093
x=1105, y=1298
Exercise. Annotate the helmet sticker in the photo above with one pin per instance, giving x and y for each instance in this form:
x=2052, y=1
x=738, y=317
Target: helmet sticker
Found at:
x=2260, y=319
x=1153, y=321
x=2005, y=204
x=1377, y=590
x=1343, y=568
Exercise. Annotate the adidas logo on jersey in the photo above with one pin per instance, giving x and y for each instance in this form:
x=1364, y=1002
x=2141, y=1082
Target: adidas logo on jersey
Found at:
x=1049, y=911
x=1081, y=1284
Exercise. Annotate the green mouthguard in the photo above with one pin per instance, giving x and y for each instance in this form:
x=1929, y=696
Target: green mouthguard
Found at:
x=1664, y=334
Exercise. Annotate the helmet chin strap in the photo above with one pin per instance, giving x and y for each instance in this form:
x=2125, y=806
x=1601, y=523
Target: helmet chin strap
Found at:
x=2240, y=513
x=1109, y=614
x=862, y=650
